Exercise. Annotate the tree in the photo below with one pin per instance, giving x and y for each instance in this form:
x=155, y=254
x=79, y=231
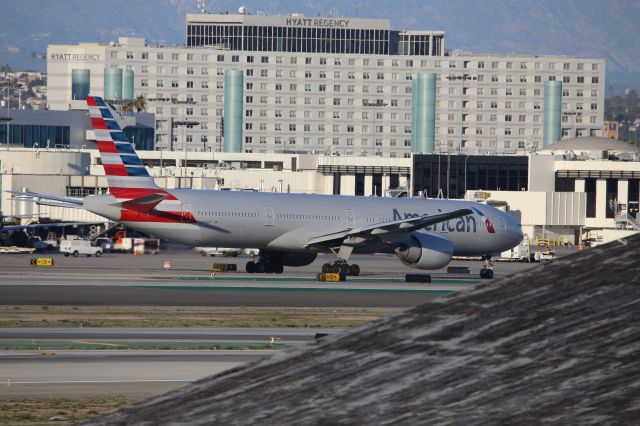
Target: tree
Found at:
x=140, y=103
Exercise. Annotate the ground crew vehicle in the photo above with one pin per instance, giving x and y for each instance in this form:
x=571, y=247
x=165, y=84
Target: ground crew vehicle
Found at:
x=224, y=251
x=76, y=248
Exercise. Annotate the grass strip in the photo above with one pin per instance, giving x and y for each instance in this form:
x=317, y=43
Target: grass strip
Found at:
x=39, y=411
x=186, y=316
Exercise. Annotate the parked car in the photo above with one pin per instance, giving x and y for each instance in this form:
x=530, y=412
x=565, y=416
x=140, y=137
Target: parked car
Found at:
x=76, y=248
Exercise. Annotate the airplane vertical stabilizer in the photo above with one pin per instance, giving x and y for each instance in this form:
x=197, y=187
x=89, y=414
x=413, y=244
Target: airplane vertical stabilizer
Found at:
x=126, y=174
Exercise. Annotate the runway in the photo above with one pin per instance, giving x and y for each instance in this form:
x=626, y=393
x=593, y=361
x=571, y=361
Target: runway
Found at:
x=125, y=280
x=289, y=335
x=75, y=374
x=137, y=373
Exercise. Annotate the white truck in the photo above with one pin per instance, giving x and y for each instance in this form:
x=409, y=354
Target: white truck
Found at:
x=213, y=251
x=225, y=251
x=520, y=253
x=76, y=248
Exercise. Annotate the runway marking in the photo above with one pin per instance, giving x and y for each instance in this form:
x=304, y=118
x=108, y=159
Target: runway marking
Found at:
x=294, y=289
x=82, y=342
x=448, y=281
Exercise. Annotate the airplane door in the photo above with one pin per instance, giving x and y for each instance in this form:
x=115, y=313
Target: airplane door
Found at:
x=351, y=218
x=268, y=216
x=186, y=216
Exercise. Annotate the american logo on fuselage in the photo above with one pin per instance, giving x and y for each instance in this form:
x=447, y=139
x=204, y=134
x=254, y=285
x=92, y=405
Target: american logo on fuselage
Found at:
x=464, y=224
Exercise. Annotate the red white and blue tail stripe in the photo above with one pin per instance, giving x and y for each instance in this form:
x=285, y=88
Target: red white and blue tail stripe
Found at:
x=127, y=176
x=122, y=166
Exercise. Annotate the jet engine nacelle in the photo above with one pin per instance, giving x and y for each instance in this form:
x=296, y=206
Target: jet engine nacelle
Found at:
x=298, y=259
x=425, y=251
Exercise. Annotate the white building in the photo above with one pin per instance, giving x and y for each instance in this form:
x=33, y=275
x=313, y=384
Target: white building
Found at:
x=335, y=85
x=572, y=192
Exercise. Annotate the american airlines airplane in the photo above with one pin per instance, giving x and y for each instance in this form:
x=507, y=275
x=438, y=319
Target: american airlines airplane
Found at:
x=291, y=229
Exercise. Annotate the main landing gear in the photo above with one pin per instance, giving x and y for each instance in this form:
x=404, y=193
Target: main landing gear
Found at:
x=264, y=267
x=487, y=270
x=341, y=267
x=265, y=264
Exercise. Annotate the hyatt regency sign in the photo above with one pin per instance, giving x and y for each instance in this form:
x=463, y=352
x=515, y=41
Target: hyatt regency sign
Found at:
x=317, y=22
x=74, y=57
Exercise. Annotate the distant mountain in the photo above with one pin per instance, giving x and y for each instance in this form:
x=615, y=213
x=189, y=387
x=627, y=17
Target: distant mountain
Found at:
x=583, y=28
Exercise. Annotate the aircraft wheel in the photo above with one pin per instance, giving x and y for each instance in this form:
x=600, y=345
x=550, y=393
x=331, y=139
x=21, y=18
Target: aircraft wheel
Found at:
x=335, y=269
x=260, y=267
x=355, y=270
x=326, y=268
x=278, y=268
x=486, y=273
x=345, y=269
x=251, y=267
x=268, y=268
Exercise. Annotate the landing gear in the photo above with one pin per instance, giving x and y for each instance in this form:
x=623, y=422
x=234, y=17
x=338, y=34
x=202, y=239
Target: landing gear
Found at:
x=487, y=270
x=265, y=264
x=341, y=267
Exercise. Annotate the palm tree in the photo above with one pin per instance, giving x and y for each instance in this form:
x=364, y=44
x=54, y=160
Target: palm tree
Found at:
x=140, y=103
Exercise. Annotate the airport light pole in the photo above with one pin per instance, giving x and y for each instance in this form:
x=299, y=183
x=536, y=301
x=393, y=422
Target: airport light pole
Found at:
x=6, y=85
x=186, y=124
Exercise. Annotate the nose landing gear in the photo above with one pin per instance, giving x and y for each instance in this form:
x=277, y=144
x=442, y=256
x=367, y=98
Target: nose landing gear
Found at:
x=487, y=270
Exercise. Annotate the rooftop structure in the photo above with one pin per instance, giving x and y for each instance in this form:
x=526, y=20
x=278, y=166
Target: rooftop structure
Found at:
x=300, y=33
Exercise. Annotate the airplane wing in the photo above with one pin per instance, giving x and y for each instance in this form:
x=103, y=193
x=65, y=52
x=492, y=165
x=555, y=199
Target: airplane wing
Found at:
x=385, y=228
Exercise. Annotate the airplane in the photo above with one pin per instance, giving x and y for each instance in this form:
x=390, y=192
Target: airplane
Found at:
x=292, y=229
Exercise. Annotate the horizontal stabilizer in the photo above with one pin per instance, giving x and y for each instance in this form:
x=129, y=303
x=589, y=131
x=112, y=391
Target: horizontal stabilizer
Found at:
x=47, y=197
x=143, y=204
x=54, y=204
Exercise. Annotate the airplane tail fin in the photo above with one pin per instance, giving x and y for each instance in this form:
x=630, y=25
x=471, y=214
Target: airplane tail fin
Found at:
x=126, y=174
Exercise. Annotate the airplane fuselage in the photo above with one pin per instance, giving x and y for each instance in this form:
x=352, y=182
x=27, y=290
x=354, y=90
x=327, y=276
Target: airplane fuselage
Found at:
x=280, y=221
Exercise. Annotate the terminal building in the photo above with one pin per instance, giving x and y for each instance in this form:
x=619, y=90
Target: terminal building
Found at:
x=573, y=190
x=345, y=86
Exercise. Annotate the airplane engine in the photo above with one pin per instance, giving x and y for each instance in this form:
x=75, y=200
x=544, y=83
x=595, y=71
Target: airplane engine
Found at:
x=298, y=259
x=425, y=251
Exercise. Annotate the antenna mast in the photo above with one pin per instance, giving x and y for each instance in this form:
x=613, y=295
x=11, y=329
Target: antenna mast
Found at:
x=201, y=6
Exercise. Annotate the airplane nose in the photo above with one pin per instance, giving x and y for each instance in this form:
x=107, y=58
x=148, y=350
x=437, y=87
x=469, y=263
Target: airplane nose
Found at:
x=514, y=230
